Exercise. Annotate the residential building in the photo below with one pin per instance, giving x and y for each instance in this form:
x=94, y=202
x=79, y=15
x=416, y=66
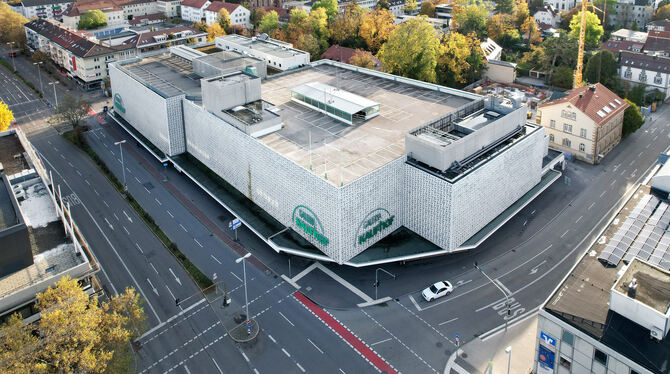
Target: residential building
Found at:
x=170, y=8
x=323, y=196
x=44, y=8
x=266, y=3
x=194, y=10
x=586, y=123
x=239, y=15
x=395, y=7
x=149, y=19
x=616, y=46
x=629, y=35
x=278, y=55
x=629, y=12
x=610, y=313
x=651, y=71
x=548, y=15
x=40, y=240
x=344, y=54
x=367, y=4
x=118, y=12
x=79, y=54
x=155, y=40
x=439, y=24
x=658, y=43
x=444, y=11
x=561, y=5
x=660, y=25
x=496, y=69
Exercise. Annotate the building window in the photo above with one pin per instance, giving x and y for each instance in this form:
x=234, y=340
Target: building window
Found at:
x=566, y=142
x=582, y=133
x=600, y=357
x=582, y=147
x=643, y=76
x=552, y=124
x=568, y=114
x=565, y=362
x=628, y=74
x=567, y=128
x=568, y=338
x=551, y=138
x=658, y=79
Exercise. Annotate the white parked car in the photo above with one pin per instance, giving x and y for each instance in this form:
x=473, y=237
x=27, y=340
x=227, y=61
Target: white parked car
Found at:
x=437, y=290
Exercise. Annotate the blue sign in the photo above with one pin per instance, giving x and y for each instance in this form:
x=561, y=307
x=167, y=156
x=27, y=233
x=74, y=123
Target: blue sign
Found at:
x=545, y=358
x=234, y=224
x=458, y=336
x=165, y=164
x=547, y=339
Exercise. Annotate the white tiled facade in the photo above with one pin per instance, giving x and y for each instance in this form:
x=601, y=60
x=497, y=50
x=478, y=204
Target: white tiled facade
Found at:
x=575, y=350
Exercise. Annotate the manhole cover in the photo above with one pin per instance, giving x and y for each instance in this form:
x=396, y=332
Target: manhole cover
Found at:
x=148, y=185
x=464, y=355
x=438, y=344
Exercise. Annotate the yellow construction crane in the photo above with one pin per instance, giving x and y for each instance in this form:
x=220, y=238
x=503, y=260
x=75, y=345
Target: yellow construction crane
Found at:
x=577, y=81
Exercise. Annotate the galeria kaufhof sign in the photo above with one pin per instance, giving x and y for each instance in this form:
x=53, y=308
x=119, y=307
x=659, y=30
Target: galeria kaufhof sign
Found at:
x=309, y=223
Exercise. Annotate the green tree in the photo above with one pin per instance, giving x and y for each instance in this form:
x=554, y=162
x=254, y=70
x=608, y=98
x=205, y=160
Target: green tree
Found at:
x=75, y=333
x=223, y=18
x=471, y=18
x=593, y=29
x=269, y=22
x=256, y=16
x=663, y=12
x=200, y=26
x=632, y=118
x=363, y=59
x=461, y=61
x=376, y=26
x=410, y=6
x=72, y=110
x=345, y=27
x=636, y=94
x=329, y=5
x=504, y=6
x=92, y=19
x=6, y=117
x=602, y=67
x=383, y=4
x=562, y=77
x=411, y=50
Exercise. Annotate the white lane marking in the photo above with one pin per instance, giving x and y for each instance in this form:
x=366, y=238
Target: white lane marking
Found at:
x=287, y=320
x=109, y=224
x=170, y=214
x=138, y=181
x=171, y=294
x=87, y=182
x=315, y=346
x=127, y=232
x=127, y=216
x=183, y=228
x=342, y=371
x=647, y=145
x=238, y=278
x=153, y=267
x=613, y=181
x=273, y=339
x=245, y=357
x=256, y=371
x=141, y=251
x=196, y=240
x=69, y=163
x=565, y=233
x=381, y=341
x=623, y=172
x=115, y=216
x=78, y=172
x=300, y=367
x=285, y=352
x=640, y=154
x=415, y=303
x=96, y=192
x=146, y=189
x=445, y=322
x=186, y=368
x=602, y=193
x=579, y=219
x=217, y=366
x=159, y=203
x=61, y=156
x=591, y=206
x=104, y=202
x=503, y=286
x=129, y=171
x=216, y=259
x=175, y=276
x=152, y=287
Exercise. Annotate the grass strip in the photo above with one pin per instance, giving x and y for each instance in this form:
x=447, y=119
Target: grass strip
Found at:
x=76, y=137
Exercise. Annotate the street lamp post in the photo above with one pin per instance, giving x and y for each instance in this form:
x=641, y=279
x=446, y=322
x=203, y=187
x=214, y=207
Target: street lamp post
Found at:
x=244, y=270
x=123, y=167
x=508, y=350
x=39, y=73
x=11, y=53
x=377, y=279
x=501, y=290
x=55, y=96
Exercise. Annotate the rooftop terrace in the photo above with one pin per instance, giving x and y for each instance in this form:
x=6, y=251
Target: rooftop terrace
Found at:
x=362, y=148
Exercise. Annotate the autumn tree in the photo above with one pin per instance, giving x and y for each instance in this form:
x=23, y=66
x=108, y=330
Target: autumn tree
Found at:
x=566, y=17
x=363, y=59
x=92, y=19
x=427, y=9
x=376, y=26
x=344, y=29
x=39, y=56
x=504, y=6
x=256, y=16
x=200, y=26
x=223, y=18
x=461, y=61
x=410, y=6
x=593, y=29
x=471, y=18
x=662, y=13
x=11, y=26
x=269, y=22
x=411, y=50
x=72, y=110
x=502, y=30
x=6, y=117
x=214, y=30
x=75, y=333
x=329, y=5
x=383, y=4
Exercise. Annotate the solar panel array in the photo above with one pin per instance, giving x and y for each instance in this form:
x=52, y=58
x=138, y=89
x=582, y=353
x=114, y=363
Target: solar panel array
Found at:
x=644, y=234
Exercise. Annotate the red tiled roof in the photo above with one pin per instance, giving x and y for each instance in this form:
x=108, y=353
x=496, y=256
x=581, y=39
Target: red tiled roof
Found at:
x=216, y=6
x=145, y=38
x=658, y=41
x=616, y=46
x=659, y=33
x=74, y=41
x=193, y=3
x=644, y=61
x=149, y=17
x=591, y=100
x=80, y=7
x=337, y=53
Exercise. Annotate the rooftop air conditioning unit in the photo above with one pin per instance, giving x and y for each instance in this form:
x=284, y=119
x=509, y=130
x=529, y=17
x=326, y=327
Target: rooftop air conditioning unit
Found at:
x=656, y=333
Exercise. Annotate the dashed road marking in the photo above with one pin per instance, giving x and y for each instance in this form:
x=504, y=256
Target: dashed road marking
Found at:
x=153, y=267
x=169, y=214
x=565, y=233
x=591, y=206
x=381, y=341
x=579, y=219
x=140, y=249
x=183, y=228
x=445, y=322
x=238, y=278
x=245, y=357
x=273, y=339
x=287, y=320
x=300, y=367
x=196, y=240
x=285, y=352
x=216, y=259
x=315, y=346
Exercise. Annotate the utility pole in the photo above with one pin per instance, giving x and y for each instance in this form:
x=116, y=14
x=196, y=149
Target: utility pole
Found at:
x=501, y=290
x=11, y=53
x=55, y=96
x=377, y=279
x=39, y=73
x=123, y=167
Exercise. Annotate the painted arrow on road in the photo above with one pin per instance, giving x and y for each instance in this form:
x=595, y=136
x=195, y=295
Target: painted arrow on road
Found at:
x=127, y=216
x=110, y=225
x=152, y=287
x=175, y=276
x=534, y=270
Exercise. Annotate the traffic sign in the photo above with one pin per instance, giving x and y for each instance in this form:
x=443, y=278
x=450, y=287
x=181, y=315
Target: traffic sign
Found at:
x=234, y=224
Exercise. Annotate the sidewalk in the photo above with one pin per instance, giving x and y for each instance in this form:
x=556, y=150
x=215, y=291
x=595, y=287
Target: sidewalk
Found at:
x=477, y=355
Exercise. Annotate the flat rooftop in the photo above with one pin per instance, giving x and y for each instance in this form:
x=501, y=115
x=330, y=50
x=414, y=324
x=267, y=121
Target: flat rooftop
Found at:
x=358, y=149
x=653, y=285
x=273, y=47
x=227, y=60
x=8, y=217
x=582, y=300
x=166, y=74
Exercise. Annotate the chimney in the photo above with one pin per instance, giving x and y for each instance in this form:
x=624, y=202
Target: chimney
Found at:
x=592, y=87
x=581, y=94
x=632, y=288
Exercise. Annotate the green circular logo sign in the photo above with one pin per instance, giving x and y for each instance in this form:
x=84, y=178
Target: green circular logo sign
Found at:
x=373, y=224
x=309, y=223
x=118, y=103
